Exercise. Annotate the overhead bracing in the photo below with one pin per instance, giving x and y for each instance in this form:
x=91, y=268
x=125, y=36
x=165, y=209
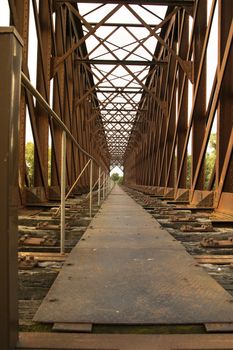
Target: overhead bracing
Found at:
x=120, y=83
x=61, y=86
x=175, y=131
x=144, y=107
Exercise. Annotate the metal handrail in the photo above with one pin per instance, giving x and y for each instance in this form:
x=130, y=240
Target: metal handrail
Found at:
x=44, y=104
x=65, y=132
x=73, y=186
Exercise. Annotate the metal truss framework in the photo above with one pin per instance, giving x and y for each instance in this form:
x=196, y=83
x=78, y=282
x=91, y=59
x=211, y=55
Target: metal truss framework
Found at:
x=157, y=156
x=126, y=103
x=96, y=85
x=133, y=92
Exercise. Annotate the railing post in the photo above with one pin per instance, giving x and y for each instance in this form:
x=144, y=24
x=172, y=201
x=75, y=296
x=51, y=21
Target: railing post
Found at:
x=107, y=185
x=91, y=180
x=99, y=185
x=63, y=191
x=103, y=185
x=10, y=72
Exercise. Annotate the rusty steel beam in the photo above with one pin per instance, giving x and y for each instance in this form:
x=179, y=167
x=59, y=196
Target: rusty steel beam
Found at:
x=141, y=2
x=127, y=25
x=22, y=26
x=225, y=120
x=42, y=21
x=118, y=91
x=10, y=69
x=199, y=118
x=121, y=62
x=109, y=103
x=197, y=90
x=183, y=98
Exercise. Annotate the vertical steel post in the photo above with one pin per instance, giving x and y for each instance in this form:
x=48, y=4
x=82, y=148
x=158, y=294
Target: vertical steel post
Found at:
x=10, y=86
x=63, y=191
x=108, y=184
x=103, y=186
x=99, y=185
x=199, y=115
x=22, y=10
x=91, y=180
x=225, y=110
x=43, y=86
x=183, y=116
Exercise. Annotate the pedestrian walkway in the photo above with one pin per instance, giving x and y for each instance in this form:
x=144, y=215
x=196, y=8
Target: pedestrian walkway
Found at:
x=128, y=270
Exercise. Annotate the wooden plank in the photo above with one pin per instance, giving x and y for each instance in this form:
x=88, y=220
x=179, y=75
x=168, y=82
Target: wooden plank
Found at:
x=202, y=228
x=214, y=259
x=217, y=243
x=213, y=256
x=46, y=256
x=215, y=262
x=73, y=327
x=219, y=327
x=33, y=241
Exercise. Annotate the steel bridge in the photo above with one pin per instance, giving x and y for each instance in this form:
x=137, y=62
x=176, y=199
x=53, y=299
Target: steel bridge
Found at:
x=145, y=86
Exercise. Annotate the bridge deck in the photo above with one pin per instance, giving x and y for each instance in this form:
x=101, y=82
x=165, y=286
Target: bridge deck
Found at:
x=128, y=270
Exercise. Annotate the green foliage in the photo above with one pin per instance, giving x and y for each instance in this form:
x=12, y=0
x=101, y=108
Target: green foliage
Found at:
x=29, y=159
x=212, y=143
x=120, y=181
x=209, y=161
x=210, y=158
x=115, y=177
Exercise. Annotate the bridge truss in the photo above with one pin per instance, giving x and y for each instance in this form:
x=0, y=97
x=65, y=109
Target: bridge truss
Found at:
x=143, y=85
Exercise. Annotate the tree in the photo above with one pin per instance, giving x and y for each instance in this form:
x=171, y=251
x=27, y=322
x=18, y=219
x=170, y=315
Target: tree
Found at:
x=115, y=177
x=29, y=159
x=120, y=181
x=210, y=158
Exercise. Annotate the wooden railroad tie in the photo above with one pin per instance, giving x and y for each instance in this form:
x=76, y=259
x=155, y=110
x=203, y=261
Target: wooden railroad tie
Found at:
x=202, y=228
x=214, y=243
x=37, y=241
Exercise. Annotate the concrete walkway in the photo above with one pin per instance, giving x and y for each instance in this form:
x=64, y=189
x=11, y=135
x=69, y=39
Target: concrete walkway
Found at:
x=128, y=270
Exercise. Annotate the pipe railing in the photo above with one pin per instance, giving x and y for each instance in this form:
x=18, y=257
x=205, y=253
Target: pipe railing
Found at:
x=73, y=186
x=91, y=161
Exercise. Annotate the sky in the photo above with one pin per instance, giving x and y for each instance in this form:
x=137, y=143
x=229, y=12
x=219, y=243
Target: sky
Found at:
x=84, y=8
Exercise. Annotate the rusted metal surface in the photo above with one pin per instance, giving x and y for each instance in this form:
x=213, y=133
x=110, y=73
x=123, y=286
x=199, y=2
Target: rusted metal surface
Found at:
x=143, y=119
x=151, y=168
x=127, y=270
x=11, y=56
x=126, y=103
x=39, y=263
x=125, y=341
x=218, y=266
